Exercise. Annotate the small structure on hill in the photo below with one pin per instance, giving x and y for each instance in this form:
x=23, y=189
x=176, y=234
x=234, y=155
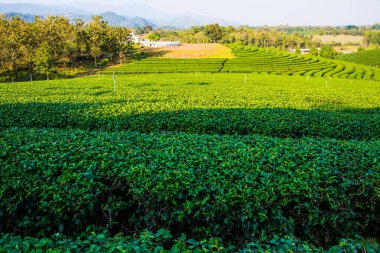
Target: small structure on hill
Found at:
x=147, y=43
x=346, y=51
x=302, y=50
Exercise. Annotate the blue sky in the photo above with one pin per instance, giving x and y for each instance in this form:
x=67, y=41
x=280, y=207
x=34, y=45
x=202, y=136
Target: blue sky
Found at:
x=270, y=12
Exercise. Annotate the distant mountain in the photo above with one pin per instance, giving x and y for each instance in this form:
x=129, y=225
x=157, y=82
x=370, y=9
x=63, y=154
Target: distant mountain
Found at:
x=26, y=17
x=130, y=10
x=39, y=9
x=117, y=20
x=194, y=20
x=128, y=15
x=112, y=18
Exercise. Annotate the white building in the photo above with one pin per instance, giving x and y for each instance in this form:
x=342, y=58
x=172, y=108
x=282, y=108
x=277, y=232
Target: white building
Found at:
x=135, y=38
x=147, y=43
x=302, y=50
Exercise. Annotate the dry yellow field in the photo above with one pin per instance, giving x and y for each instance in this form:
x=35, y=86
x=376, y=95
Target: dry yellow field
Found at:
x=344, y=39
x=196, y=51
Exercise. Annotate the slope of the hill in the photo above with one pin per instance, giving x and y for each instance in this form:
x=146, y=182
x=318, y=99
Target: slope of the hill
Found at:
x=253, y=60
x=250, y=59
x=190, y=162
x=365, y=57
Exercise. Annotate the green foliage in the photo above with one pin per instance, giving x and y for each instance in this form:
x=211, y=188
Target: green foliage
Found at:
x=278, y=62
x=194, y=162
x=199, y=103
x=277, y=37
x=162, y=241
x=44, y=60
x=372, y=37
x=328, y=52
x=153, y=36
x=251, y=186
x=314, y=51
x=157, y=65
x=365, y=57
x=249, y=60
x=214, y=32
x=48, y=45
x=97, y=30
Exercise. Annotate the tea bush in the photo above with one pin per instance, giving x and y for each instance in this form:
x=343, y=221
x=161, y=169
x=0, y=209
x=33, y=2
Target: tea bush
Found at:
x=225, y=186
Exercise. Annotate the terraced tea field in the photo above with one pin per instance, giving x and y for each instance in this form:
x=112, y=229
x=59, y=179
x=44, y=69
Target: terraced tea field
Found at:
x=203, y=103
x=366, y=57
x=159, y=65
x=191, y=162
x=250, y=60
x=269, y=61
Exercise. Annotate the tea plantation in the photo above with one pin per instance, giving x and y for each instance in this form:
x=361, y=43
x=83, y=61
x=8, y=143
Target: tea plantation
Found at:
x=254, y=60
x=365, y=57
x=190, y=162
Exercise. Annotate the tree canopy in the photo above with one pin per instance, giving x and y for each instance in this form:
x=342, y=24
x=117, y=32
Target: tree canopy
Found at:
x=44, y=45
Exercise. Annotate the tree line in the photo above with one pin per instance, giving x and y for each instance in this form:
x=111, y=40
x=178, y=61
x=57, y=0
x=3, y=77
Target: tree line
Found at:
x=44, y=46
x=282, y=37
x=372, y=38
x=47, y=46
x=214, y=33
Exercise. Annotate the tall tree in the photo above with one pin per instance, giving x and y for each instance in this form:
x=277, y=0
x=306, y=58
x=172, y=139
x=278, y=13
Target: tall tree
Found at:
x=81, y=44
x=97, y=34
x=328, y=52
x=14, y=43
x=314, y=51
x=45, y=62
x=214, y=32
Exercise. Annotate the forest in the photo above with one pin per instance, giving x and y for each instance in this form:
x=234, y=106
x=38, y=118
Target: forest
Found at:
x=47, y=46
x=55, y=46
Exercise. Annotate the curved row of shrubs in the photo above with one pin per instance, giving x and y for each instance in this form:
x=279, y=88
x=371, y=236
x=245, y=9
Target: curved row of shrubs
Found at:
x=360, y=124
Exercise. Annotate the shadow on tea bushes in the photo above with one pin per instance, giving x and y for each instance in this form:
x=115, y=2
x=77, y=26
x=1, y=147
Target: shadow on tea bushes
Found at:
x=350, y=124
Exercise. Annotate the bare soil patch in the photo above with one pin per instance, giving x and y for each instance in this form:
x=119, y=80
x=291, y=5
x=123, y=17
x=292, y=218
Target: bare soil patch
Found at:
x=344, y=39
x=194, y=51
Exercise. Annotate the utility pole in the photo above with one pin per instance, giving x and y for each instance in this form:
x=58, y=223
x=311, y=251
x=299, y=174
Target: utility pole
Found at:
x=114, y=82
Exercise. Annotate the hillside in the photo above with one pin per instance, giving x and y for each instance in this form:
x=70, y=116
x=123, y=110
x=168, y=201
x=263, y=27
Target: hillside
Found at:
x=26, y=17
x=128, y=15
x=149, y=163
x=112, y=18
x=117, y=20
x=254, y=60
x=278, y=62
x=365, y=57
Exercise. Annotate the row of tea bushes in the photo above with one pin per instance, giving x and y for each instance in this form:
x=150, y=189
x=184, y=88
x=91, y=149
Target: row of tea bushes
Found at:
x=205, y=185
x=162, y=241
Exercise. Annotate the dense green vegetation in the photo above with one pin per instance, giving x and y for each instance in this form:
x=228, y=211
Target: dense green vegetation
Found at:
x=55, y=47
x=214, y=33
x=48, y=47
x=226, y=186
x=192, y=162
x=203, y=103
x=278, y=62
x=365, y=57
x=252, y=59
x=156, y=65
x=162, y=241
x=324, y=30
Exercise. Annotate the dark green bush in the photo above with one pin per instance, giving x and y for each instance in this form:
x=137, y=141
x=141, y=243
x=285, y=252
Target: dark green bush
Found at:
x=162, y=241
x=226, y=186
x=276, y=122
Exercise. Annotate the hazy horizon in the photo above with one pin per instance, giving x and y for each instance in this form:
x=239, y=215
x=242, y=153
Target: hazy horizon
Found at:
x=270, y=12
